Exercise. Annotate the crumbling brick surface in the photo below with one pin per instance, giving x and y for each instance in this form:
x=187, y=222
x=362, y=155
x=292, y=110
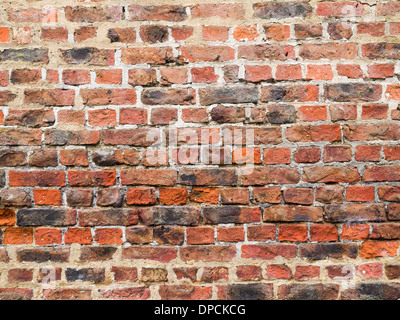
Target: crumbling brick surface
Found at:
x=199, y=149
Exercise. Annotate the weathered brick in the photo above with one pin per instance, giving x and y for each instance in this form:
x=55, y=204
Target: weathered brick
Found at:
x=207, y=253
x=289, y=93
x=108, y=217
x=93, y=14
x=43, y=255
x=36, y=178
x=170, y=216
x=168, y=96
x=162, y=254
x=25, y=55
x=281, y=10
x=268, y=175
x=355, y=212
x=88, y=55
x=42, y=217
x=269, y=251
x=292, y=213
x=299, y=291
x=331, y=174
x=153, y=55
x=174, y=13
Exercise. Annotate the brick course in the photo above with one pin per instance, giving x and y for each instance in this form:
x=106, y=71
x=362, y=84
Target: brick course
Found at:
x=104, y=193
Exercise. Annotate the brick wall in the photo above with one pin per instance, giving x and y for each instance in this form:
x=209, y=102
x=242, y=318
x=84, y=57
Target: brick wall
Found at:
x=199, y=149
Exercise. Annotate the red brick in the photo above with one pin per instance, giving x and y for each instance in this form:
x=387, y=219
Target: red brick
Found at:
x=292, y=233
x=340, y=9
x=141, y=196
x=224, y=11
x=214, y=33
x=258, y=73
x=230, y=234
x=394, y=28
x=307, y=155
x=360, y=193
x=343, y=112
x=368, y=153
x=20, y=275
x=306, y=273
x=288, y=72
x=330, y=51
x=132, y=116
x=392, y=153
x=78, y=235
x=98, y=97
x=92, y=178
x=337, y=153
x=37, y=178
x=174, y=75
x=351, y=71
x=277, y=32
x=208, y=253
x=312, y=113
x=319, y=72
x=48, y=236
x=374, y=29
x=18, y=236
x=171, y=196
x=204, y=75
x=370, y=270
x=181, y=33
x=4, y=35
x=76, y=77
x=200, y=235
x=374, y=112
x=268, y=251
x=278, y=271
x=47, y=197
x=25, y=76
x=323, y=233
x=85, y=32
x=298, y=196
x=376, y=249
x=194, y=115
x=277, y=156
x=204, y=195
x=108, y=236
x=245, y=33
x=113, y=76
x=202, y=53
x=355, y=232
x=263, y=232
x=7, y=217
x=247, y=273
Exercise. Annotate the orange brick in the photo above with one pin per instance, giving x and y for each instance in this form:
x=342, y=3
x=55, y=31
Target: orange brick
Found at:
x=47, y=197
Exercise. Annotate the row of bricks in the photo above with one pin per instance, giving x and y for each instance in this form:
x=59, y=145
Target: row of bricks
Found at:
x=273, y=114
x=161, y=33
x=376, y=290
x=147, y=196
x=205, y=235
x=193, y=216
x=247, y=176
x=178, y=13
x=162, y=55
x=369, y=270
x=208, y=74
x=213, y=253
x=340, y=92
x=193, y=155
x=193, y=137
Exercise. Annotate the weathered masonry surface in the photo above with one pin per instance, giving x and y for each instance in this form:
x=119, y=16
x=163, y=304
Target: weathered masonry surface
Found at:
x=125, y=168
